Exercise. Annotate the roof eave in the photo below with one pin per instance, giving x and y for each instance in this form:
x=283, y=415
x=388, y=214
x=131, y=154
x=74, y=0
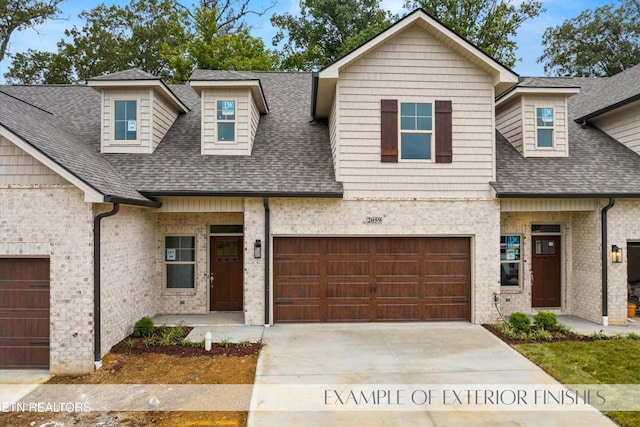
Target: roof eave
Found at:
x=608, y=108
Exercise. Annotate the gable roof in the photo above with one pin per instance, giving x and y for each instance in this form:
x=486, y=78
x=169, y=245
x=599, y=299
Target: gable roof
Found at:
x=52, y=143
x=136, y=78
x=503, y=77
x=231, y=79
x=597, y=165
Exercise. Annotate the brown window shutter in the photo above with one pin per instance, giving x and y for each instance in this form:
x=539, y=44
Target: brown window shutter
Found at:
x=444, y=153
x=389, y=130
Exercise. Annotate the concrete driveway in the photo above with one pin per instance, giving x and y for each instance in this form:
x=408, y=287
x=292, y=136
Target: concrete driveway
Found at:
x=380, y=374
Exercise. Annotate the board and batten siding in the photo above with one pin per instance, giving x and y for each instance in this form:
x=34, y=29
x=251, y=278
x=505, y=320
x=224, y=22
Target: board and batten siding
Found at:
x=509, y=120
x=414, y=67
x=243, y=143
x=144, y=143
x=19, y=168
x=623, y=125
x=163, y=118
x=561, y=129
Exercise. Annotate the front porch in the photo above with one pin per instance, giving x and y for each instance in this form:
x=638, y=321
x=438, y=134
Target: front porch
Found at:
x=220, y=318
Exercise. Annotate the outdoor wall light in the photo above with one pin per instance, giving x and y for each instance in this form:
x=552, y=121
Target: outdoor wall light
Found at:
x=616, y=254
x=257, y=249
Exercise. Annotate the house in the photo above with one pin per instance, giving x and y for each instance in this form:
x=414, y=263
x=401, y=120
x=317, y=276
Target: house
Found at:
x=414, y=179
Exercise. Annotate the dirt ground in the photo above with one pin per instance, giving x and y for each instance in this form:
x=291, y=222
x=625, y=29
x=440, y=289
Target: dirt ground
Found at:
x=150, y=366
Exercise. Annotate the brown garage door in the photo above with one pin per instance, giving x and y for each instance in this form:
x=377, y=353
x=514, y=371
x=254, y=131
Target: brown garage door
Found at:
x=371, y=279
x=24, y=313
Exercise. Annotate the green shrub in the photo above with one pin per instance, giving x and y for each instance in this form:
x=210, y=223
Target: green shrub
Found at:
x=520, y=322
x=541, y=335
x=143, y=327
x=545, y=320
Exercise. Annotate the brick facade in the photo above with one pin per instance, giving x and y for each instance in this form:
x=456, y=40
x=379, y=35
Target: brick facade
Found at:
x=54, y=222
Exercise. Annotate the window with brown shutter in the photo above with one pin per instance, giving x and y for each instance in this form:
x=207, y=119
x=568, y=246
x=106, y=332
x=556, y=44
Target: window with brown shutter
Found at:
x=407, y=132
x=389, y=130
x=444, y=152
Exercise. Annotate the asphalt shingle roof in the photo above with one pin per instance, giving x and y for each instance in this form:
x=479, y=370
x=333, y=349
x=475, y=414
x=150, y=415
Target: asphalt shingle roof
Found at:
x=51, y=136
x=597, y=164
x=291, y=155
x=132, y=74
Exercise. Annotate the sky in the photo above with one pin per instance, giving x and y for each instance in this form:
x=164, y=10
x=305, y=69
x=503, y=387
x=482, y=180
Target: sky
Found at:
x=529, y=40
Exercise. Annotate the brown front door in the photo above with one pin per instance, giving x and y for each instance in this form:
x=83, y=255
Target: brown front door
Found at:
x=545, y=282
x=24, y=313
x=225, y=280
x=364, y=279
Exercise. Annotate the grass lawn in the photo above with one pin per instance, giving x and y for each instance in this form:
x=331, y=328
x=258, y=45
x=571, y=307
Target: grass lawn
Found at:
x=596, y=362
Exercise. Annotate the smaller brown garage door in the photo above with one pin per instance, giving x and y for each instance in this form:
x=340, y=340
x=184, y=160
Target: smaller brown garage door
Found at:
x=24, y=313
x=363, y=279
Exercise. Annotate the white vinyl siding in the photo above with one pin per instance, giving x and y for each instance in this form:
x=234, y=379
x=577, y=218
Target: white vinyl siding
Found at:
x=414, y=67
x=560, y=126
x=163, y=118
x=242, y=144
x=255, y=120
x=143, y=143
x=623, y=125
x=19, y=168
x=509, y=123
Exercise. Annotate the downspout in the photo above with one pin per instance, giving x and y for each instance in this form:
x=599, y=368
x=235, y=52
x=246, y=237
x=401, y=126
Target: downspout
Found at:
x=605, y=263
x=267, y=258
x=97, y=350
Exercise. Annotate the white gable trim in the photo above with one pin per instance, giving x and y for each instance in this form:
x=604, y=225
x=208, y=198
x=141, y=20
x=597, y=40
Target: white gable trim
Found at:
x=91, y=195
x=501, y=73
x=156, y=85
x=537, y=91
x=253, y=85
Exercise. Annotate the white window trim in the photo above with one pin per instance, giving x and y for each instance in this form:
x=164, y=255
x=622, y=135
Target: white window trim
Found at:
x=513, y=289
x=123, y=142
x=183, y=291
x=552, y=128
x=427, y=132
x=234, y=121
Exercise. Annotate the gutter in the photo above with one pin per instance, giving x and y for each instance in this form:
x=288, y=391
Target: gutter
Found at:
x=132, y=202
x=567, y=195
x=318, y=195
x=608, y=108
x=315, y=80
x=267, y=247
x=97, y=347
x=605, y=263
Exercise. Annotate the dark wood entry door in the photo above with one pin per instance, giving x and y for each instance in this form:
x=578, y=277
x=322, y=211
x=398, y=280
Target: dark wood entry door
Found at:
x=363, y=279
x=226, y=278
x=546, y=269
x=24, y=313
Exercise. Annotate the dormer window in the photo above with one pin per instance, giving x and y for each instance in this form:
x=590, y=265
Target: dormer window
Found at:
x=226, y=118
x=125, y=120
x=544, y=127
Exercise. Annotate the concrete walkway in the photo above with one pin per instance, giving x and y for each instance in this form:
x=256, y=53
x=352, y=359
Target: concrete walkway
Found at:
x=320, y=362
x=584, y=327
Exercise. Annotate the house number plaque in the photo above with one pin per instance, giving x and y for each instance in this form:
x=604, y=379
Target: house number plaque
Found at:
x=374, y=220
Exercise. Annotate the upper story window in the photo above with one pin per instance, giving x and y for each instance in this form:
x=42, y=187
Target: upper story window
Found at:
x=544, y=127
x=125, y=120
x=416, y=131
x=226, y=118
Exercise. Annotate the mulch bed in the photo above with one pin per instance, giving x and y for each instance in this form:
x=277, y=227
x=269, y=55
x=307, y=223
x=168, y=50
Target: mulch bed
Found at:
x=556, y=338
x=136, y=345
